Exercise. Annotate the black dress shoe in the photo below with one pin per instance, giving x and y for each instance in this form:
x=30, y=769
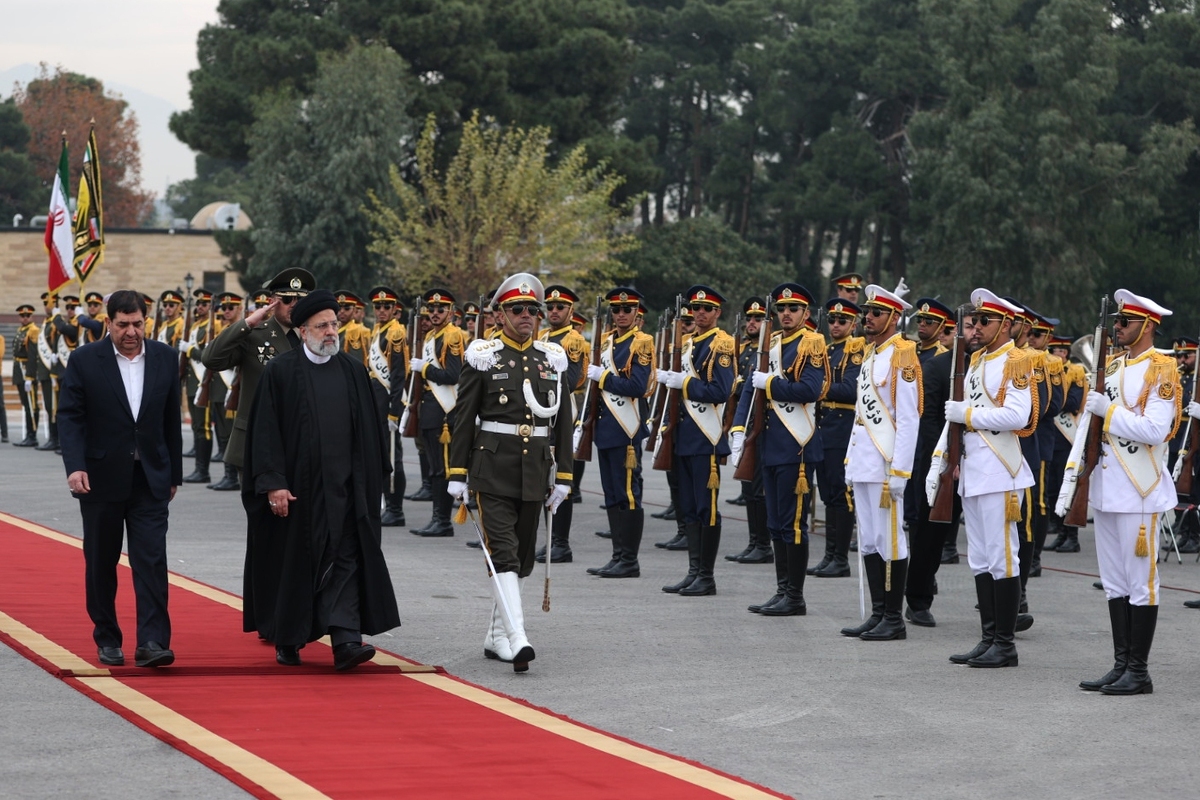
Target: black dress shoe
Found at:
x=604, y=534
x=190, y=453
x=1098, y=585
x=670, y=543
x=392, y=519
x=198, y=477
x=219, y=458
x=422, y=495
x=28, y=441
x=226, y=484
x=436, y=531
x=666, y=513
x=740, y=500
x=350, y=654
x=474, y=543
x=153, y=654
x=49, y=444
x=111, y=656
x=287, y=654
x=921, y=617
x=1191, y=603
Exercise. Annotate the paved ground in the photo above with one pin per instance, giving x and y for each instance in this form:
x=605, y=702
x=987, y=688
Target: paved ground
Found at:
x=784, y=702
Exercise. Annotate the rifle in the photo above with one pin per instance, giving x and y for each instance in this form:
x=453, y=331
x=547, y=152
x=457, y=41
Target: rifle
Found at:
x=662, y=355
x=942, y=509
x=411, y=428
x=758, y=406
x=203, y=392
x=479, y=318
x=1186, y=458
x=187, y=332
x=158, y=321
x=234, y=397
x=1077, y=515
x=591, y=397
x=730, y=406
x=664, y=454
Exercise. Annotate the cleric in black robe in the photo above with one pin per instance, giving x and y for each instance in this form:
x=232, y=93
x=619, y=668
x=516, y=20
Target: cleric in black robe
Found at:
x=314, y=471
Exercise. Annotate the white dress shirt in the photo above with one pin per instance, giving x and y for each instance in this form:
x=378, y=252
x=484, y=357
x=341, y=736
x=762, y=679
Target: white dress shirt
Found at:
x=133, y=375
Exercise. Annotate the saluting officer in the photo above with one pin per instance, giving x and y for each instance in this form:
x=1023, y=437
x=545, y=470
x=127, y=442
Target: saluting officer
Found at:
x=758, y=549
x=705, y=384
x=439, y=365
x=879, y=461
x=387, y=361
x=790, y=444
x=1131, y=489
x=845, y=356
x=624, y=378
x=24, y=372
x=191, y=348
x=997, y=412
x=354, y=338
x=514, y=385
x=560, y=303
x=220, y=388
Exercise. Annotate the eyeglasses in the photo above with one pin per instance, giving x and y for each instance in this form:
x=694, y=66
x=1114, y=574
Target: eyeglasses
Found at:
x=840, y=319
x=983, y=320
x=557, y=306
x=228, y=306
x=345, y=306
x=518, y=309
x=97, y=302
x=702, y=307
x=381, y=305
x=790, y=308
x=1122, y=321
x=287, y=299
x=622, y=309
x=877, y=312
x=167, y=304
x=25, y=314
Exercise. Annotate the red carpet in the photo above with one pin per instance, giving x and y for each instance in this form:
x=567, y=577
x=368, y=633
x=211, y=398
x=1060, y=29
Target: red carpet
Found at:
x=305, y=732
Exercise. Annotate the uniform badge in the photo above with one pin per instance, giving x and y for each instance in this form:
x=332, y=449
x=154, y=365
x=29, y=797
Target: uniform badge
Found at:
x=644, y=359
x=909, y=373
x=817, y=359
x=1021, y=382
x=1112, y=368
x=856, y=358
x=1166, y=390
x=503, y=399
x=725, y=361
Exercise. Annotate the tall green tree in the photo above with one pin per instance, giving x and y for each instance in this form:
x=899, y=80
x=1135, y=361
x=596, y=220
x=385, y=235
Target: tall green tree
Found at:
x=315, y=159
x=20, y=190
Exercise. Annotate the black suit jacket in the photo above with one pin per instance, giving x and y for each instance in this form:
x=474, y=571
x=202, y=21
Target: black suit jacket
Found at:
x=97, y=429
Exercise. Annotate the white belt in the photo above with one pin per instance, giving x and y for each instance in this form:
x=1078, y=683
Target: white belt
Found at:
x=514, y=430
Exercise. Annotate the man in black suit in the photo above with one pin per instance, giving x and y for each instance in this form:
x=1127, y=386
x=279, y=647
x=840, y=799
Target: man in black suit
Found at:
x=122, y=443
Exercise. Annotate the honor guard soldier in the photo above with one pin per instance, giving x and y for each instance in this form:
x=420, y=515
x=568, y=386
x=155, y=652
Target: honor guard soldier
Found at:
x=220, y=388
x=879, y=461
x=489, y=315
x=1049, y=480
x=24, y=374
x=848, y=286
x=559, y=305
x=927, y=539
x=1132, y=488
x=249, y=344
x=1066, y=424
x=789, y=446
x=997, y=413
x=171, y=331
x=514, y=386
x=387, y=361
x=95, y=321
x=1187, y=533
x=48, y=368
x=353, y=337
x=191, y=348
x=470, y=316
x=67, y=324
x=439, y=365
x=679, y=542
x=836, y=423
x=705, y=384
x=1185, y=360
x=578, y=321
x=624, y=377
x=758, y=549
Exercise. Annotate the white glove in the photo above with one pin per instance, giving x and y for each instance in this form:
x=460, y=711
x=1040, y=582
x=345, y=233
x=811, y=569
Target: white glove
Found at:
x=54, y=311
x=184, y=346
x=896, y=487
x=956, y=410
x=933, y=477
x=393, y=425
x=416, y=365
x=759, y=379
x=672, y=380
x=53, y=359
x=901, y=288
x=594, y=372
x=1097, y=404
x=1193, y=409
x=736, y=440
x=29, y=386
x=457, y=490
x=557, y=495
x=576, y=438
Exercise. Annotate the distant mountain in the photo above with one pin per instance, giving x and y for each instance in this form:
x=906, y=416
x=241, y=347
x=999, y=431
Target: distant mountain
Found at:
x=165, y=159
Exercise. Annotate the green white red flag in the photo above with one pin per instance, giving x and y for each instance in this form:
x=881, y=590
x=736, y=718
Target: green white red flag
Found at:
x=59, y=239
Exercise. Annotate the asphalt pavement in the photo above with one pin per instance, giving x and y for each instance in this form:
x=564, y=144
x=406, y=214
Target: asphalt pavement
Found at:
x=785, y=702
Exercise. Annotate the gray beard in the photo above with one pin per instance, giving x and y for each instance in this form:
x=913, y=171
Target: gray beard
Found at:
x=318, y=347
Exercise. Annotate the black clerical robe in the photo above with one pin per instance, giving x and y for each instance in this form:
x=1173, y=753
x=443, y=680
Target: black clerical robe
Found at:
x=287, y=558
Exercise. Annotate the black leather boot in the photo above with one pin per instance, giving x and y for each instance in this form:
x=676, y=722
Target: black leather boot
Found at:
x=873, y=567
x=760, y=551
x=839, y=563
x=203, y=452
x=1003, y=652
x=750, y=540
x=781, y=574
x=630, y=525
x=229, y=483
x=710, y=543
x=831, y=527
x=1071, y=545
x=792, y=604
x=440, y=525
x=425, y=493
x=986, y=595
x=1136, y=680
x=1118, y=617
x=616, y=553
x=666, y=513
x=692, y=537
x=560, y=536
x=892, y=625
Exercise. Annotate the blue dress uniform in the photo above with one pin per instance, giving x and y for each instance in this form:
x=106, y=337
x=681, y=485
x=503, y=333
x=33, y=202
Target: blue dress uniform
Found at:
x=836, y=423
x=798, y=379
x=1054, y=385
x=758, y=550
x=386, y=358
x=705, y=385
x=24, y=356
x=625, y=376
x=202, y=443
x=440, y=366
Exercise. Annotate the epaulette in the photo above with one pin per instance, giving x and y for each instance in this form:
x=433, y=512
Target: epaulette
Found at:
x=940, y=348
x=1018, y=367
x=555, y=355
x=642, y=348
x=1077, y=375
x=1054, y=365
x=855, y=344
x=724, y=344
x=811, y=344
x=904, y=354
x=1163, y=377
x=454, y=340
x=483, y=354
x=575, y=345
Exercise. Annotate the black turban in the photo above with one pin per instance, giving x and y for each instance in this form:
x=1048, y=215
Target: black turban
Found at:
x=311, y=303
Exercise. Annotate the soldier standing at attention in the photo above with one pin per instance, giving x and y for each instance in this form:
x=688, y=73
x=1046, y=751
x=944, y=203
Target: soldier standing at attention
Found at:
x=24, y=374
x=439, y=365
x=705, y=384
x=1132, y=488
x=879, y=460
x=354, y=338
x=191, y=348
x=220, y=385
x=997, y=412
x=48, y=369
x=560, y=302
x=790, y=444
x=514, y=386
x=1065, y=426
x=845, y=356
x=680, y=541
x=848, y=286
x=170, y=332
x=758, y=549
x=95, y=321
x=387, y=361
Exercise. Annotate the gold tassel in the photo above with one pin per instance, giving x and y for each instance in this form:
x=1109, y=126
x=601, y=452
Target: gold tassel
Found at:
x=714, y=478
x=630, y=458
x=802, y=483
x=849, y=500
x=1012, y=508
x=887, y=576
x=885, y=497
x=714, y=486
x=445, y=437
x=546, y=596
x=1142, y=548
x=460, y=516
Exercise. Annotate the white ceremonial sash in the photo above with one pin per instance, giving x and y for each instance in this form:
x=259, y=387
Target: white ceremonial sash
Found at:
x=380, y=368
x=709, y=417
x=228, y=376
x=446, y=395
x=44, y=351
x=1140, y=460
x=1005, y=444
x=873, y=412
x=198, y=369
x=1067, y=424
x=64, y=350
x=624, y=409
x=798, y=418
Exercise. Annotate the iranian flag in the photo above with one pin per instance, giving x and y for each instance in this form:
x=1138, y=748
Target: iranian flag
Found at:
x=60, y=243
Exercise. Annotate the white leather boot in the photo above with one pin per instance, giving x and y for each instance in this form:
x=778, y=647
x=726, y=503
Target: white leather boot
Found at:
x=495, y=644
x=522, y=650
